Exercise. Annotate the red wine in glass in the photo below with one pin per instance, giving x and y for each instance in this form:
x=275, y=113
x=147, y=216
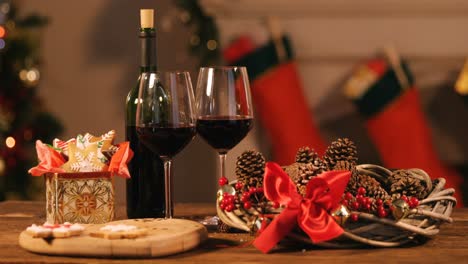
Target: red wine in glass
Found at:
x=165, y=120
x=223, y=132
x=166, y=141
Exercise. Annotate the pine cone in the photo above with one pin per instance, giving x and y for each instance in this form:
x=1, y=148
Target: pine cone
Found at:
x=402, y=182
x=342, y=149
x=372, y=186
x=306, y=155
x=223, y=227
x=306, y=171
x=250, y=167
x=346, y=165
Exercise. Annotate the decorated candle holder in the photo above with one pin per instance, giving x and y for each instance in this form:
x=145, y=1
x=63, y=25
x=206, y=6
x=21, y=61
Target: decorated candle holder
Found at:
x=86, y=197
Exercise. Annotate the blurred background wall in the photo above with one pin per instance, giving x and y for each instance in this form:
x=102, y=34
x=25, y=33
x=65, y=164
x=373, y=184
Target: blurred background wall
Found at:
x=90, y=62
x=90, y=52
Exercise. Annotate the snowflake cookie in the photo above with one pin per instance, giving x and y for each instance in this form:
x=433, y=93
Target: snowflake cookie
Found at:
x=55, y=230
x=119, y=231
x=84, y=158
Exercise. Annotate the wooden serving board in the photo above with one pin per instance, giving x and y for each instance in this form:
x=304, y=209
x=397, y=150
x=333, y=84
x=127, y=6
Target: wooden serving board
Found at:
x=165, y=237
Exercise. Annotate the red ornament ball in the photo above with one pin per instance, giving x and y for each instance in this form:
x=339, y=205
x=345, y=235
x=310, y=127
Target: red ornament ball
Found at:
x=348, y=196
x=239, y=185
x=354, y=217
x=223, y=181
x=247, y=205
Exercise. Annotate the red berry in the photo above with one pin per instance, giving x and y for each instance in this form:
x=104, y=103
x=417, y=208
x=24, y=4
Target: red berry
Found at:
x=260, y=189
x=245, y=198
x=354, y=217
x=360, y=199
x=361, y=190
x=223, y=181
x=239, y=185
x=222, y=206
x=276, y=205
x=355, y=205
x=247, y=205
x=225, y=195
x=380, y=208
x=404, y=198
x=382, y=213
x=230, y=207
x=345, y=203
x=252, y=190
x=367, y=200
x=413, y=202
x=348, y=196
x=379, y=202
x=367, y=206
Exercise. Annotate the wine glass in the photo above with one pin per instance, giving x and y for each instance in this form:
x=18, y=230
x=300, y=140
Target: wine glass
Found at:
x=165, y=119
x=224, y=109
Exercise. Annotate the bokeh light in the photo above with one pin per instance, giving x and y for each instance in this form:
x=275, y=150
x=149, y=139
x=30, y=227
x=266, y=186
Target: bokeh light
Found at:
x=212, y=44
x=10, y=142
x=2, y=31
x=2, y=43
x=2, y=166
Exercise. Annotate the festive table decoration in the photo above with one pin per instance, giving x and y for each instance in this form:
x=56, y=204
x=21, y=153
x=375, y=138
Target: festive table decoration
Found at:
x=78, y=175
x=332, y=201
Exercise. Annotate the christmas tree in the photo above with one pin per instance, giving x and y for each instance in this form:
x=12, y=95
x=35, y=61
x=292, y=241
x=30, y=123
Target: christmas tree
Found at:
x=23, y=116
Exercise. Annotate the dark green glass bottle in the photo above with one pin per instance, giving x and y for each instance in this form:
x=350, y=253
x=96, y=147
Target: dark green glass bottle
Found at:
x=145, y=188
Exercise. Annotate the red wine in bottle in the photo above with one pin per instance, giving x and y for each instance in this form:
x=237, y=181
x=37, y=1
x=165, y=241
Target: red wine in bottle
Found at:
x=145, y=188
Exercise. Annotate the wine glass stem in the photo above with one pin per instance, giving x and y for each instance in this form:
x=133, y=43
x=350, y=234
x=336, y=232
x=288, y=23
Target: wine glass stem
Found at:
x=222, y=162
x=168, y=187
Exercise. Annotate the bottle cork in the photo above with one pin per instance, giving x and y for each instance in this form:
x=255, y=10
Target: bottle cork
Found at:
x=146, y=18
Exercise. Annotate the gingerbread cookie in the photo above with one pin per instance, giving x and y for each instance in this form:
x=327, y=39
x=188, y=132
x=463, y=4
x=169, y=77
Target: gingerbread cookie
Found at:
x=84, y=158
x=119, y=231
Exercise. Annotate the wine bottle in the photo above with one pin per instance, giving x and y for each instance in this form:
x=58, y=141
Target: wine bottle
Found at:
x=145, y=188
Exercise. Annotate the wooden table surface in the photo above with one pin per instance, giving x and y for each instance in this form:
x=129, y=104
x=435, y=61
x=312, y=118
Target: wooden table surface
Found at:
x=450, y=246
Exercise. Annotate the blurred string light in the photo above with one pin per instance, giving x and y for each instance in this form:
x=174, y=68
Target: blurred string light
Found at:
x=10, y=142
x=30, y=76
x=211, y=44
x=2, y=35
x=2, y=166
x=4, y=9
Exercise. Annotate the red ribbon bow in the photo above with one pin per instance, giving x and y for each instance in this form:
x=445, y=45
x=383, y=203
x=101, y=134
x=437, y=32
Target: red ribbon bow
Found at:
x=310, y=212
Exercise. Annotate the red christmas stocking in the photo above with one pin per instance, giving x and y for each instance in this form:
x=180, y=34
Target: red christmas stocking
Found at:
x=396, y=123
x=278, y=99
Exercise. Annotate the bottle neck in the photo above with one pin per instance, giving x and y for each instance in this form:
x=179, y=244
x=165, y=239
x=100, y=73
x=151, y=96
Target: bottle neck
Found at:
x=148, y=50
